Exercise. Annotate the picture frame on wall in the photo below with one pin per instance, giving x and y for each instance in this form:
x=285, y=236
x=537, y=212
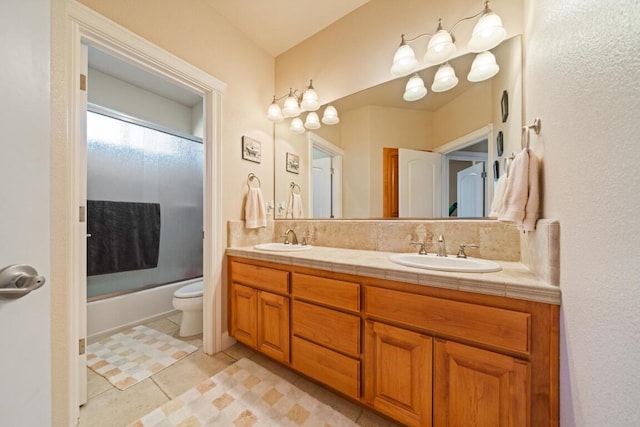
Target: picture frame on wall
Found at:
x=293, y=163
x=500, y=143
x=251, y=149
x=504, y=106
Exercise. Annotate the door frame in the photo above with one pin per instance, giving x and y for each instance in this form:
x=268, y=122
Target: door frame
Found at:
x=485, y=132
x=84, y=26
x=336, y=153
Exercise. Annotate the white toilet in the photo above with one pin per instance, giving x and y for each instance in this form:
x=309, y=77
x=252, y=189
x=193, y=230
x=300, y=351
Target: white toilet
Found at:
x=188, y=299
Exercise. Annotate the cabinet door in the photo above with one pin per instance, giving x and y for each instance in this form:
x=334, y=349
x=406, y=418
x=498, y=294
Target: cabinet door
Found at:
x=397, y=376
x=273, y=325
x=244, y=314
x=474, y=387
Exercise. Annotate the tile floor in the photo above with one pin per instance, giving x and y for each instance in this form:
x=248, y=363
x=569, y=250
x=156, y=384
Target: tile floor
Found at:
x=108, y=406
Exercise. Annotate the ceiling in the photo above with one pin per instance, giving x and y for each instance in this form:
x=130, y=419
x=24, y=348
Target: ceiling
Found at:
x=278, y=25
x=274, y=25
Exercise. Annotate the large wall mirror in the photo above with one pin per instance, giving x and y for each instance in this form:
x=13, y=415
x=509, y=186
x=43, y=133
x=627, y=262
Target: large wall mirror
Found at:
x=438, y=154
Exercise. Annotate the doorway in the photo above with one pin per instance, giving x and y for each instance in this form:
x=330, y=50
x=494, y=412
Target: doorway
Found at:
x=89, y=28
x=325, y=176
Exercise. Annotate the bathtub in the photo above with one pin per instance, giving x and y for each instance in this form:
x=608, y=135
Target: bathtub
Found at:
x=110, y=315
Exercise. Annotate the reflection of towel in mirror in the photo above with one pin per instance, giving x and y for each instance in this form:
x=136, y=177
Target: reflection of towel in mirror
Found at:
x=294, y=206
x=522, y=197
x=498, y=196
x=255, y=215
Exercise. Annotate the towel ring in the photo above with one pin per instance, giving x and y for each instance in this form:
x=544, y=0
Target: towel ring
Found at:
x=507, y=163
x=250, y=178
x=295, y=186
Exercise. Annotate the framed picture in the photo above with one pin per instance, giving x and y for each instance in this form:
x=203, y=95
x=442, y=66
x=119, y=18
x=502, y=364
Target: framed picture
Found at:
x=504, y=105
x=500, y=143
x=496, y=169
x=251, y=149
x=293, y=163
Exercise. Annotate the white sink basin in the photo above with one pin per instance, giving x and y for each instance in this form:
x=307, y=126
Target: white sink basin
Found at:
x=281, y=247
x=450, y=263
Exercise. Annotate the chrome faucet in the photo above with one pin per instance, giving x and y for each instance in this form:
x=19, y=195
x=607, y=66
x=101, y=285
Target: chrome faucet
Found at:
x=294, y=240
x=462, y=253
x=421, y=249
x=442, y=248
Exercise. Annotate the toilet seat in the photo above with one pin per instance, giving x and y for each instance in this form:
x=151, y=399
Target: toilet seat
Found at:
x=190, y=291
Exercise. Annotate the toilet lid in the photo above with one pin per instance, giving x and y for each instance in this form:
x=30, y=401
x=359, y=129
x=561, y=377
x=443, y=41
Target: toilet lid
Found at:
x=189, y=291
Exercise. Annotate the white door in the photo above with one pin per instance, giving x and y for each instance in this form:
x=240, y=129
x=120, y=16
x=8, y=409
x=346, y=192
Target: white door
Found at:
x=419, y=184
x=471, y=191
x=25, y=143
x=321, y=187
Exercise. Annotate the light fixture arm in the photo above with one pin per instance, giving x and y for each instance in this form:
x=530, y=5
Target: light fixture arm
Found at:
x=484, y=11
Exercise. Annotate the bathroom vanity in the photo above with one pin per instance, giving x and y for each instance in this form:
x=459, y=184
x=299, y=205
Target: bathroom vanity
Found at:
x=422, y=347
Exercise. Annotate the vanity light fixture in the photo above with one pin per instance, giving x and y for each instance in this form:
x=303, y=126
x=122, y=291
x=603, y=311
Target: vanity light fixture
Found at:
x=296, y=103
x=487, y=34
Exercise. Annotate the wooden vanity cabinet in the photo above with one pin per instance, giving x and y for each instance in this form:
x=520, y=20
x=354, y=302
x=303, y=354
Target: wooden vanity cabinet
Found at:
x=325, y=329
x=397, y=372
x=421, y=355
x=259, y=315
x=475, y=387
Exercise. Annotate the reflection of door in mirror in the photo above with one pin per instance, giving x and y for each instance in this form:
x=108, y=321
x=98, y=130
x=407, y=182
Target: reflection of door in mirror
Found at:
x=325, y=178
x=467, y=193
x=470, y=191
x=412, y=182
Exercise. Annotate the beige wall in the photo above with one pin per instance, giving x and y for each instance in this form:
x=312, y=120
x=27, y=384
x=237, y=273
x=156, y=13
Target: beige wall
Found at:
x=464, y=114
x=581, y=78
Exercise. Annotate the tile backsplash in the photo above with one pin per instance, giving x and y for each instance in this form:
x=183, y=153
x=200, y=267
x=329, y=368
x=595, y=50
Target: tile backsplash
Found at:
x=538, y=250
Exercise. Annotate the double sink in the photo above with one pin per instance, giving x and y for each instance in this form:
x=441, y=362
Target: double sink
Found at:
x=429, y=262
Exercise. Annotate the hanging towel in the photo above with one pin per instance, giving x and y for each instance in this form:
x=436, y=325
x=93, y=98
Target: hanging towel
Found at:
x=125, y=236
x=255, y=214
x=498, y=196
x=522, y=195
x=294, y=206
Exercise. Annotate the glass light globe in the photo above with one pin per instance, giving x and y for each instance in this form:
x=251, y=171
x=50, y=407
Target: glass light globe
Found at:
x=445, y=78
x=330, y=116
x=290, y=107
x=274, y=113
x=312, y=121
x=296, y=125
x=414, y=90
x=440, y=48
x=484, y=67
x=404, y=61
x=310, y=99
x=487, y=33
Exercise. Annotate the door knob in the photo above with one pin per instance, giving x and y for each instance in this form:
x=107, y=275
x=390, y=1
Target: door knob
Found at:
x=18, y=280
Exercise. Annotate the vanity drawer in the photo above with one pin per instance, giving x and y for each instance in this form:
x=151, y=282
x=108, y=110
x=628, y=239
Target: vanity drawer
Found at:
x=497, y=327
x=331, y=292
x=330, y=368
x=336, y=330
x=268, y=279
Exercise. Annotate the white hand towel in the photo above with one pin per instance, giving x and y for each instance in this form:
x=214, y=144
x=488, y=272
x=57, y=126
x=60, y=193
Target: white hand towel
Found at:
x=294, y=206
x=522, y=197
x=498, y=196
x=255, y=215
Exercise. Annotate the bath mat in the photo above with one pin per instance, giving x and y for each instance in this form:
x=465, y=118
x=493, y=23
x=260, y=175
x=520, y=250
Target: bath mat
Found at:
x=244, y=394
x=134, y=354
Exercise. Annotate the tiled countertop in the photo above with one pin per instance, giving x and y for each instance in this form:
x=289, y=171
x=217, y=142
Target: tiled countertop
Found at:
x=513, y=281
